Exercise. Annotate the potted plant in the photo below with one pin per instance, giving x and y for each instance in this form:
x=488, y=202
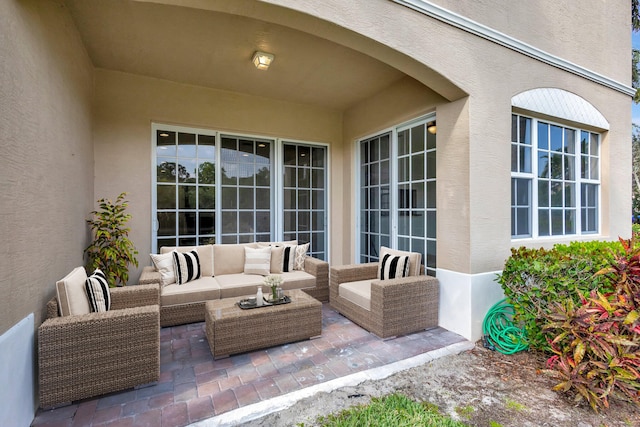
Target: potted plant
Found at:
x=111, y=250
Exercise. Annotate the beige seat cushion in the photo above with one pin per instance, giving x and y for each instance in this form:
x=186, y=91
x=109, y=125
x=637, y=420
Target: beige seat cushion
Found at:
x=72, y=296
x=358, y=292
x=415, y=259
x=297, y=280
x=240, y=284
x=199, y=290
x=205, y=255
x=229, y=258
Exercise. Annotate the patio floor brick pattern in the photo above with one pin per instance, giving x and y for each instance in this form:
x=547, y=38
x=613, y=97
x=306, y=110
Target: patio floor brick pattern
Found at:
x=193, y=386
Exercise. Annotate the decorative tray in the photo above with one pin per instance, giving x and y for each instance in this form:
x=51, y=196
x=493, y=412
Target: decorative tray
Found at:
x=247, y=304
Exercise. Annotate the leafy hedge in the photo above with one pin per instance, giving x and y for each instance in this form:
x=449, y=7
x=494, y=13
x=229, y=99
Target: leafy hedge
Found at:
x=533, y=280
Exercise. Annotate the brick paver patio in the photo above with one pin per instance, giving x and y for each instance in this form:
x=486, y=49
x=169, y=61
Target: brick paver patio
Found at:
x=193, y=386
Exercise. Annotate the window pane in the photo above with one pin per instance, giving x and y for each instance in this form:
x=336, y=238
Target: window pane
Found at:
x=263, y=198
x=374, y=154
x=514, y=128
x=556, y=166
x=417, y=167
x=525, y=130
x=569, y=195
x=523, y=192
x=556, y=194
x=431, y=165
x=229, y=222
x=317, y=178
x=403, y=169
x=263, y=175
x=570, y=221
x=556, y=138
x=186, y=145
x=166, y=196
x=543, y=222
x=166, y=223
x=186, y=223
x=593, y=168
x=569, y=141
x=166, y=170
x=557, y=227
x=431, y=224
x=514, y=158
x=246, y=222
x=543, y=136
x=543, y=193
x=569, y=168
x=431, y=194
x=289, y=155
x=187, y=197
x=304, y=199
x=290, y=177
x=206, y=172
x=229, y=198
x=543, y=164
x=403, y=142
x=584, y=142
x=165, y=143
x=525, y=159
x=317, y=155
x=318, y=199
x=246, y=198
x=417, y=139
x=304, y=156
x=593, y=149
x=523, y=222
x=207, y=223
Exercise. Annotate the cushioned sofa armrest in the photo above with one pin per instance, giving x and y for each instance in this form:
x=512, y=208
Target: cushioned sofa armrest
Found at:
x=353, y=272
x=414, y=293
x=316, y=267
x=149, y=276
x=134, y=296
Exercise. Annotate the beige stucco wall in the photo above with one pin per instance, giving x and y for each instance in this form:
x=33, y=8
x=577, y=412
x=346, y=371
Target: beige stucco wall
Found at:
x=47, y=154
x=127, y=105
x=479, y=240
x=590, y=33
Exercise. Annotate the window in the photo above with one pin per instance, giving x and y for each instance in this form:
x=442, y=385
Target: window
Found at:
x=554, y=179
x=398, y=193
x=220, y=188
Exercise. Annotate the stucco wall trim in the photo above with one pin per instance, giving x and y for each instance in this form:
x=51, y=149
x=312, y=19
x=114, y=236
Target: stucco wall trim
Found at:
x=480, y=30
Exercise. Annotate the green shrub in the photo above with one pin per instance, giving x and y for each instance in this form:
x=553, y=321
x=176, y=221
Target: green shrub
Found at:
x=597, y=342
x=111, y=250
x=534, y=279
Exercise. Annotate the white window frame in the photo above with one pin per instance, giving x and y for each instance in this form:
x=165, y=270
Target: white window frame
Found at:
x=393, y=183
x=533, y=176
x=277, y=202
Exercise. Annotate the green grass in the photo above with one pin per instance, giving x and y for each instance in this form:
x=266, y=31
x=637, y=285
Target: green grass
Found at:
x=464, y=411
x=512, y=404
x=394, y=410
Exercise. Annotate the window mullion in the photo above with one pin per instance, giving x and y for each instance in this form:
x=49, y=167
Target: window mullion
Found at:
x=534, y=178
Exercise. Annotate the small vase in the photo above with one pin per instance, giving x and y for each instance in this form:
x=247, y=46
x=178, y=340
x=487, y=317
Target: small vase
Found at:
x=274, y=294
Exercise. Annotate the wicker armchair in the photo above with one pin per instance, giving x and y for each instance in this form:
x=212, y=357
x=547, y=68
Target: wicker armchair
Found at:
x=397, y=306
x=92, y=354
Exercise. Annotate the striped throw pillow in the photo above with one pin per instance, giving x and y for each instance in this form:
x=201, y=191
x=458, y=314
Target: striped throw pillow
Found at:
x=98, y=294
x=186, y=266
x=257, y=260
x=393, y=266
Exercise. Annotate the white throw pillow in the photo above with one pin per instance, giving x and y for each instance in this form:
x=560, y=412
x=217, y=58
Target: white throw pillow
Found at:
x=257, y=261
x=300, y=255
x=98, y=294
x=72, y=297
x=164, y=264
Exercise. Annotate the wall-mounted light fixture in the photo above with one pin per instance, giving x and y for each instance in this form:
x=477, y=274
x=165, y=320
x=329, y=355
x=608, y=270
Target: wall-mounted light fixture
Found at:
x=262, y=60
x=431, y=128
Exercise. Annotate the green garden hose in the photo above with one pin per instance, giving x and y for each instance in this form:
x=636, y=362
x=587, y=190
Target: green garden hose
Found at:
x=499, y=331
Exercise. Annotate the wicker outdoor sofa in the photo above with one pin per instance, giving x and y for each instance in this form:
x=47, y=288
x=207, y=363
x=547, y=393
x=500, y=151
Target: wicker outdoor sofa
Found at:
x=388, y=308
x=86, y=355
x=222, y=277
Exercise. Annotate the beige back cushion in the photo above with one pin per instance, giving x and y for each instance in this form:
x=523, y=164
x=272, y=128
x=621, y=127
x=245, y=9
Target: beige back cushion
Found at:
x=72, y=297
x=205, y=255
x=229, y=258
x=415, y=259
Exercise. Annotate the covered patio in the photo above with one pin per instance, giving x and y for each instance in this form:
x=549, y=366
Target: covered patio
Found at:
x=194, y=387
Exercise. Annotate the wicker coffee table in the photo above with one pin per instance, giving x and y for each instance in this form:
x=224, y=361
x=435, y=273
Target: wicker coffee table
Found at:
x=232, y=330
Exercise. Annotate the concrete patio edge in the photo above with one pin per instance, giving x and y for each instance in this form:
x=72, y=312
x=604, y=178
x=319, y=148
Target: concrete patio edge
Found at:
x=266, y=407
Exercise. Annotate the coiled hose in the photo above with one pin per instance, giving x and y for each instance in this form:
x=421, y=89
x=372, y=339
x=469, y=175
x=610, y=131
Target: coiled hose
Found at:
x=499, y=331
